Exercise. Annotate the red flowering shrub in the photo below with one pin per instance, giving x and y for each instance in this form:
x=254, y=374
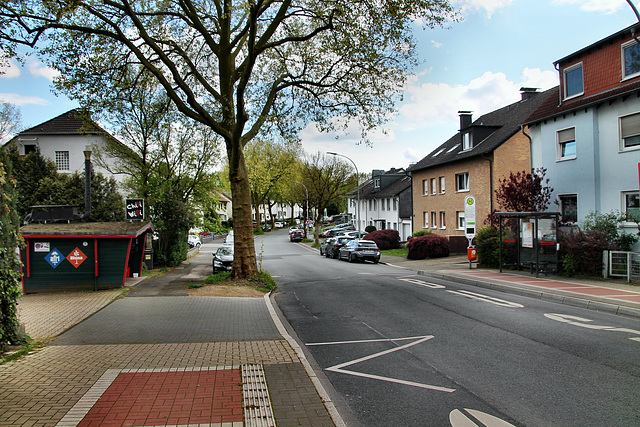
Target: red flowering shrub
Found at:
x=429, y=246
x=385, y=239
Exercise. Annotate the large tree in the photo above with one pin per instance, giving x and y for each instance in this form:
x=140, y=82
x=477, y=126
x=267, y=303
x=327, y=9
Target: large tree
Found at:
x=10, y=118
x=236, y=67
x=328, y=180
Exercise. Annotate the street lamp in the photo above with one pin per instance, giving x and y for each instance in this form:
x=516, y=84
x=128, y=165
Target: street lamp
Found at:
x=306, y=227
x=357, y=184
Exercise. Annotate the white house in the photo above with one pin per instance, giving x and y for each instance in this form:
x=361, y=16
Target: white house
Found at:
x=588, y=136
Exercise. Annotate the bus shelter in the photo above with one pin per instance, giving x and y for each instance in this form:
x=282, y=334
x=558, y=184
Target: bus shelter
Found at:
x=529, y=240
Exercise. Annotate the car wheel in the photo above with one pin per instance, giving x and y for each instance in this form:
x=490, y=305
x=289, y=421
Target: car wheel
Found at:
x=375, y=261
x=352, y=258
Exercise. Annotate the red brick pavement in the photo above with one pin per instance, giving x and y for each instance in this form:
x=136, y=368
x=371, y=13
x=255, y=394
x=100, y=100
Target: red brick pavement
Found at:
x=169, y=398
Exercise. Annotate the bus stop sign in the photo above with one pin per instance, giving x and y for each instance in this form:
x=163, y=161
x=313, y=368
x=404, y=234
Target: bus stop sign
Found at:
x=470, y=217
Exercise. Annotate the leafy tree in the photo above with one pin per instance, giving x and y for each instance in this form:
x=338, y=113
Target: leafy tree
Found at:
x=10, y=119
x=328, y=180
x=524, y=192
x=9, y=272
x=239, y=68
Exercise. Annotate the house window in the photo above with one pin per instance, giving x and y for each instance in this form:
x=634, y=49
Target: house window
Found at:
x=388, y=204
x=631, y=205
x=370, y=205
x=382, y=204
x=467, y=141
x=376, y=182
x=630, y=132
x=566, y=144
x=460, y=220
x=462, y=181
x=443, y=222
x=62, y=160
x=395, y=204
x=434, y=190
x=434, y=219
x=569, y=207
x=375, y=204
x=426, y=219
x=442, y=185
x=573, y=83
x=630, y=59
x=425, y=187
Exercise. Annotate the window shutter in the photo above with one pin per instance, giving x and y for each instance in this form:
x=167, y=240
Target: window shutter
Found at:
x=567, y=135
x=630, y=125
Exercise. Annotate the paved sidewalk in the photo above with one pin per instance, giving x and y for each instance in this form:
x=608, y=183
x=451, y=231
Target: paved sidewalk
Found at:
x=159, y=357
x=613, y=296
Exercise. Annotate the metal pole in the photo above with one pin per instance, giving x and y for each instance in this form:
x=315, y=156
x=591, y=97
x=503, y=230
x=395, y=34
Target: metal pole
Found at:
x=87, y=181
x=306, y=227
x=357, y=184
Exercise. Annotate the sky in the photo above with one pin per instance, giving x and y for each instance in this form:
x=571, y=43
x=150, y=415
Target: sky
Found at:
x=478, y=64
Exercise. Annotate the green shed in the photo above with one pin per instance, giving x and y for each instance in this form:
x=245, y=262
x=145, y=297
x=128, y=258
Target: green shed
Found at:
x=82, y=256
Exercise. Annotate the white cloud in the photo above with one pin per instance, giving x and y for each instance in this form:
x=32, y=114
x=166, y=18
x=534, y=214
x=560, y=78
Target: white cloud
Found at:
x=20, y=100
x=435, y=104
x=602, y=6
x=10, y=71
x=436, y=44
x=489, y=6
x=37, y=69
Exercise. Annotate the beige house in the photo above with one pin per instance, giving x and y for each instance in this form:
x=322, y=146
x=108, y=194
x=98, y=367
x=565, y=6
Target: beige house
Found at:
x=471, y=163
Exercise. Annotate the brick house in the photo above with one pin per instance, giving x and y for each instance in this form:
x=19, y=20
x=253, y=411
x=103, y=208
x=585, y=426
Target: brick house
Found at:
x=385, y=202
x=471, y=163
x=587, y=135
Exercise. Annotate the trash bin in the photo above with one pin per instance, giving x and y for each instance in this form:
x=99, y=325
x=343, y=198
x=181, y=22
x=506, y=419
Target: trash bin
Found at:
x=148, y=258
x=472, y=253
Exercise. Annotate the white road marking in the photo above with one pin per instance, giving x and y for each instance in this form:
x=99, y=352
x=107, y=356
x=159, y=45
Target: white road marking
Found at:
x=459, y=419
x=486, y=298
x=417, y=340
x=581, y=322
x=423, y=283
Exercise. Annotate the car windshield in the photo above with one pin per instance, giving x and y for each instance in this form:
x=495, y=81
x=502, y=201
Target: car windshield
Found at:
x=225, y=251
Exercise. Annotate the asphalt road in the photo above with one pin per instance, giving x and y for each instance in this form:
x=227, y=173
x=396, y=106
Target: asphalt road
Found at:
x=402, y=349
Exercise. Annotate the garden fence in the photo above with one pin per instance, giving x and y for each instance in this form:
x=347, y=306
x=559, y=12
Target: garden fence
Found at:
x=622, y=264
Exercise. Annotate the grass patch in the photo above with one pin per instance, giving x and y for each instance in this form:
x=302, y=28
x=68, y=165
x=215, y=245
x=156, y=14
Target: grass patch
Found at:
x=316, y=245
x=156, y=272
x=305, y=240
x=21, y=351
x=262, y=282
x=402, y=252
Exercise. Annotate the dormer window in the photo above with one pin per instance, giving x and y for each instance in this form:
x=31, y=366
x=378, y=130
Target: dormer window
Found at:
x=376, y=183
x=467, y=141
x=573, y=82
x=630, y=59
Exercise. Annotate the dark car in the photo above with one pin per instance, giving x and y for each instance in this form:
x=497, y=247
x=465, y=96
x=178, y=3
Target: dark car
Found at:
x=328, y=242
x=296, y=235
x=360, y=250
x=340, y=241
x=223, y=259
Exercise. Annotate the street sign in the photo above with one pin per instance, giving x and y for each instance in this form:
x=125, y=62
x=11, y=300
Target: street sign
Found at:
x=135, y=208
x=470, y=217
x=54, y=258
x=76, y=257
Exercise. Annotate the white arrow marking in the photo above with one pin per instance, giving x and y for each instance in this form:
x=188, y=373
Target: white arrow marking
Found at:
x=339, y=368
x=580, y=321
x=486, y=298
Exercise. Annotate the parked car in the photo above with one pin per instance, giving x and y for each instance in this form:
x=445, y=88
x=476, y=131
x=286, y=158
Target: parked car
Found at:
x=353, y=234
x=266, y=227
x=333, y=250
x=296, y=235
x=194, y=241
x=279, y=224
x=295, y=227
x=360, y=250
x=328, y=242
x=223, y=259
x=345, y=226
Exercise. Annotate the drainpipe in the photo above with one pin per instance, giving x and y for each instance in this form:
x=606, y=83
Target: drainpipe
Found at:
x=490, y=182
x=530, y=146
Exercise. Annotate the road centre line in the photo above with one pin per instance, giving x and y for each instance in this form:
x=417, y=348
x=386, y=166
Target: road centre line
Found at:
x=363, y=341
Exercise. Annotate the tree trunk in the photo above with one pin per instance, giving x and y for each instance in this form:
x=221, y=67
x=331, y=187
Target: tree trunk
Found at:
x=244, y=260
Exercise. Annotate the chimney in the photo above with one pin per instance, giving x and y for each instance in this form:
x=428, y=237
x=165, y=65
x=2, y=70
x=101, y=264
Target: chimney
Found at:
x=465, y=119
x=528, y=92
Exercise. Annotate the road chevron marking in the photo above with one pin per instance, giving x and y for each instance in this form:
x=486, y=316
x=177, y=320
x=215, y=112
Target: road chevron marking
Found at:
x=417, y=340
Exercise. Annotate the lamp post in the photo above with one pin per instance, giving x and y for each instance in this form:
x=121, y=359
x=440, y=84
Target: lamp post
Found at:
x=306, y=227
x=357, y=184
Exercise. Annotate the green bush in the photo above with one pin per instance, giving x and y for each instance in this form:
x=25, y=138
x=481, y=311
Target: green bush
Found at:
x=369, y=228
x=488, y=244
